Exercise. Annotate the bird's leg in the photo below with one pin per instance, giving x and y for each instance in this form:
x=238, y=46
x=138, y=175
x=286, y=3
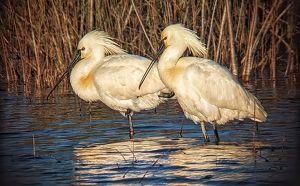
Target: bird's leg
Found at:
x=216, y=133
x=90, y=111
x=205, y=136
x=180, y=133
x=131, y=131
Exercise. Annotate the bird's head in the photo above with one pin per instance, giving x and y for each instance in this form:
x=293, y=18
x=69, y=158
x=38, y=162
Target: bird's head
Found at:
x=98, y=43
x=178, y=35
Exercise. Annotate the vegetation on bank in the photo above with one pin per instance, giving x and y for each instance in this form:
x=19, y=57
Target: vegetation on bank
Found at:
x=39, y=37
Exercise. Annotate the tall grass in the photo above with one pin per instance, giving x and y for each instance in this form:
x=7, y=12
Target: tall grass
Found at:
x=38, y=37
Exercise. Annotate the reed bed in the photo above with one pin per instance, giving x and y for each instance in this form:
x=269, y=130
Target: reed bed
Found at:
x=250, y=37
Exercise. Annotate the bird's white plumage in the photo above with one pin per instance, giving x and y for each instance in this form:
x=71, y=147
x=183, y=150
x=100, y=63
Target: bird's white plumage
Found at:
x=93, y=48
x=206, y=91
x=113, y=79
x=117, y=83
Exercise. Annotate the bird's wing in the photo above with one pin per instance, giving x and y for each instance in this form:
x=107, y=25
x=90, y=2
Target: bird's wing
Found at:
x=214, y=83
x=119, y=77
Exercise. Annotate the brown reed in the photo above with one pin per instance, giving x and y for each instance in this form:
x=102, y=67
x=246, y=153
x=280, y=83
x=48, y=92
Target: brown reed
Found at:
x=38, y=37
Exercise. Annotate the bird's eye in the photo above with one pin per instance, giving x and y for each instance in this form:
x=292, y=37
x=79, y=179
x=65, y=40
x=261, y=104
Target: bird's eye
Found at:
x=82, y=49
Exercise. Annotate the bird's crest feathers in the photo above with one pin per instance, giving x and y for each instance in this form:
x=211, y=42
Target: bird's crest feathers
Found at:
x=189, y=37
x=103, y=39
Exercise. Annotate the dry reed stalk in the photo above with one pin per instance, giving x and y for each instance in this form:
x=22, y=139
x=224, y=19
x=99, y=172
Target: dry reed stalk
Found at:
x=202, y=19
x=265, y=27
x=291, y=52
x=142, y=25
x=211, y=26
x=10, y=75
x=273, y=53
x=82, y=15
x=238, y=29
x=247, y=60
x=35, y=48
x=91, y=14
x=154, y=163
x=216, y=58
x=121, y=155
x=233, y=62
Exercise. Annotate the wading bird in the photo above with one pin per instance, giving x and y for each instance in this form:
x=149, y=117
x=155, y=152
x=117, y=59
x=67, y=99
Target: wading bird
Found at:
x=205, y=90
x=103, y=71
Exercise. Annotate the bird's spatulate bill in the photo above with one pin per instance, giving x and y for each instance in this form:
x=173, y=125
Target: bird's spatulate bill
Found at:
x=74, y=61
x=155, y=59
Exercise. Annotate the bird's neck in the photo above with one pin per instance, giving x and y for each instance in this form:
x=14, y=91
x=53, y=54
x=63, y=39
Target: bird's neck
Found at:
x=82, y=77
x=167, y=63
x=170, y=57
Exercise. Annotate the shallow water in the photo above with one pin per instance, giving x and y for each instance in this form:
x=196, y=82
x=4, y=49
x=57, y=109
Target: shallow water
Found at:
x=59, y=142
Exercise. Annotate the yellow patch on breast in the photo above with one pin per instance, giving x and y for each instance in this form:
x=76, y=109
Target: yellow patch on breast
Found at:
x=173, y=73
x=86, y=81
x=172, y=76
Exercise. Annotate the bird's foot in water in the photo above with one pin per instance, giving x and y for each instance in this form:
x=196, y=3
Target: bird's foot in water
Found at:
x=216, y=134
x=206, y=139
x=217, y=140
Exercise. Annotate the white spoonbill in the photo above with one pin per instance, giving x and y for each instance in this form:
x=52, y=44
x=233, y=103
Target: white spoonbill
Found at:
x=205, y=90
x=113, y=79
